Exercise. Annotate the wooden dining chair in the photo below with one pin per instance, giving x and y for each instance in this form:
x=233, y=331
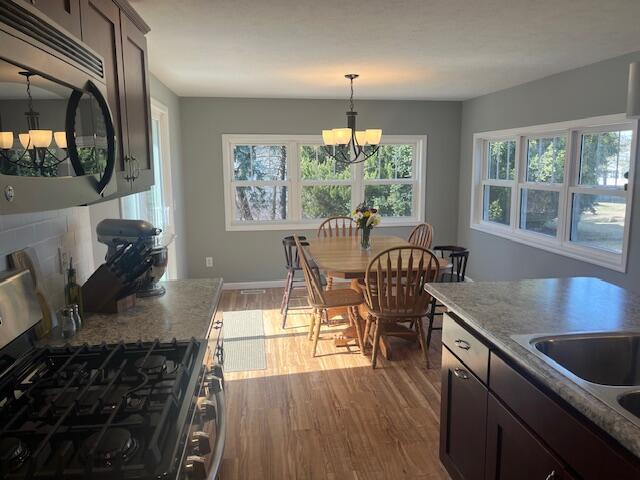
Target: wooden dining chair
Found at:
x=394, y=294
x=321, y=300
x=338, y=227
x=292, y=282
x=421, y=235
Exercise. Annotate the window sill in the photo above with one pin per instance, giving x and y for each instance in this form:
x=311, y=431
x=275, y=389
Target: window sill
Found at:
x=312, y=225
x=601, y=258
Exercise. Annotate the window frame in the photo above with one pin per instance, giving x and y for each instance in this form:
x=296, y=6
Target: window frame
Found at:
x=561, y=243
x=295, y=183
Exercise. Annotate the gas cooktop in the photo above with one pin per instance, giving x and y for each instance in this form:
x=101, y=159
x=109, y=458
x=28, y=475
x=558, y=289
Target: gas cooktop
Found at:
x=106, y=411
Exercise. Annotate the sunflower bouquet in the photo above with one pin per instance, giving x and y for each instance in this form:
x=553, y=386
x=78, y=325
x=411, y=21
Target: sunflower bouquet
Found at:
x=366, y=218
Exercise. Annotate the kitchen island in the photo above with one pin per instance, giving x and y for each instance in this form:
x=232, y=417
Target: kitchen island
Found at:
x=186, y=310
x=577, y=433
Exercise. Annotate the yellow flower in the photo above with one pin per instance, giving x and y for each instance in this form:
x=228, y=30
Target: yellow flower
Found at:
x=367, y=213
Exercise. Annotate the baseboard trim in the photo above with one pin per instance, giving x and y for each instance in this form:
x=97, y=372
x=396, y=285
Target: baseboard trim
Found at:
x=253, y=285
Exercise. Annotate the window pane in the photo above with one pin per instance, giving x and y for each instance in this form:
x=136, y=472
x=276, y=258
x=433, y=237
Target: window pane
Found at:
x=598, y=221
x=604, y=158
x=502, y=164
x=539, y=211
x=315, y=164
x=497, y=204
x=390, y=200
x=260, y=162
x=545, y=159
x=261, y=203
x=391, y=162
x=324, y=201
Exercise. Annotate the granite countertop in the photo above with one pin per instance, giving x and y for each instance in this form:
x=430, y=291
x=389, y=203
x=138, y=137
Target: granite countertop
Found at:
x=499, y=310
x=186, y=310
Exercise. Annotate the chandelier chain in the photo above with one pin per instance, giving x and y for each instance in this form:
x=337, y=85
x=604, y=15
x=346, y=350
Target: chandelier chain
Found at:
x=351, y=97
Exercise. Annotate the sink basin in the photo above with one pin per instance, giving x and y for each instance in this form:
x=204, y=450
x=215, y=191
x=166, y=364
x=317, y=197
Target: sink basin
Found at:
x=631, y=403
x=602, y=358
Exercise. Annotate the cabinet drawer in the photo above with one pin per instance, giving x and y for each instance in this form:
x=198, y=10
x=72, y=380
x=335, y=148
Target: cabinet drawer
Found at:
x=473, y=353
x=588, y=454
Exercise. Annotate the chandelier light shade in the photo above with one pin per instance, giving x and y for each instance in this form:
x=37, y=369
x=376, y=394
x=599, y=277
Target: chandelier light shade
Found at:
x=363, y=143
x=6, y=140
x=37, y=156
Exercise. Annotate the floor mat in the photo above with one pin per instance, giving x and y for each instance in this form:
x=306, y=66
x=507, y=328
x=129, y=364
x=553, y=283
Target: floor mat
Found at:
x=244, y=341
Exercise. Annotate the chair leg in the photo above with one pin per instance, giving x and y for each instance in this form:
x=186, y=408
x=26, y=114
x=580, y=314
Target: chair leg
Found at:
x=312, y=327
x=425, y=349
x=353, y=313
x=376, y=342
x=286, y=298
x=365, y=333
x=316, y=337
x=284, y=293
x=431, y=316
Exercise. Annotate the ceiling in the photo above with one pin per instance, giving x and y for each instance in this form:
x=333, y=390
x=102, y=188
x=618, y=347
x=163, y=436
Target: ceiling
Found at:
x=403, y=49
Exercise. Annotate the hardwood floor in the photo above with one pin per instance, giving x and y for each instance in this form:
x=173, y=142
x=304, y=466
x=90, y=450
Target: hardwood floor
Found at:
x=333, y=416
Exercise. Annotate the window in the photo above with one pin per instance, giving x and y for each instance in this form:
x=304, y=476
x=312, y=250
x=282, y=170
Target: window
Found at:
x=286, y=181
x=564, y=187
x=156, y=205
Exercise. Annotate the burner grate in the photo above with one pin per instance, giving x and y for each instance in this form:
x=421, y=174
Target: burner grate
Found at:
x=107, y=411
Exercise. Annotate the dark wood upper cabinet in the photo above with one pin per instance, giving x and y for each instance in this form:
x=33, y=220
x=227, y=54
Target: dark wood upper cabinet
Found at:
x=65, y=13
x=137, y=101
x=462, y=420
x=513, y=452
x=101, y=31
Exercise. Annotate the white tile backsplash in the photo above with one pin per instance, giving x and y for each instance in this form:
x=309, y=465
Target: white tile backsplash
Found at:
x=47, y=232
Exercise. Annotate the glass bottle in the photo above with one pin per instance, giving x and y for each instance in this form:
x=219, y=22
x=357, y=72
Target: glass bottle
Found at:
x=72, y=291
x=77, y=319
x=67, y=323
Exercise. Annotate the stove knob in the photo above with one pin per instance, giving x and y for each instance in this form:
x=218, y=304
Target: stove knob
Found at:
x=200, y=441
x=195, y=467
x=207, y=410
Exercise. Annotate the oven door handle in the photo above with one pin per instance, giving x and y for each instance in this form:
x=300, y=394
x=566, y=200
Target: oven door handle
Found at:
x=221, y=432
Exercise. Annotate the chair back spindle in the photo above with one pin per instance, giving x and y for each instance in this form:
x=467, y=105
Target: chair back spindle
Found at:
x=421, y=235
x=338, y=227
x=395, y=279
x=312, y=280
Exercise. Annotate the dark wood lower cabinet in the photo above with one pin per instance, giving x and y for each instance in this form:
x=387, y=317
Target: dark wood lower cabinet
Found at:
x=515, y=453
x=512, y=428
x=463, y=417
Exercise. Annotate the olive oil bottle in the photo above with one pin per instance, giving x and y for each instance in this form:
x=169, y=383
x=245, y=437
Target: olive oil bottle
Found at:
x=72, y=291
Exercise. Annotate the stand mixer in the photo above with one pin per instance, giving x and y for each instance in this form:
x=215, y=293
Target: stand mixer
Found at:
x=116, y=234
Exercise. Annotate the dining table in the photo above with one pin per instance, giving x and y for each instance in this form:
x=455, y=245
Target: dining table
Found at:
x=343, y=257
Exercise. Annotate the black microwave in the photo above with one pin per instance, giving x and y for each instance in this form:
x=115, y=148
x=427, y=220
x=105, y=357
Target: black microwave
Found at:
x=57, y=138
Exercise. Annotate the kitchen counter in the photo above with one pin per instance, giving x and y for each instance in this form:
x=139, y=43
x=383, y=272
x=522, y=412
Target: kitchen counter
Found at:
x=499, y=310
x=186, y=310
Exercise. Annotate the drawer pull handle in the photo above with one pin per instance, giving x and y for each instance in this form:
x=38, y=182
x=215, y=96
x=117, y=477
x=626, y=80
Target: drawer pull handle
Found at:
x=552, y=475
x=463, y=344
x=460, y=373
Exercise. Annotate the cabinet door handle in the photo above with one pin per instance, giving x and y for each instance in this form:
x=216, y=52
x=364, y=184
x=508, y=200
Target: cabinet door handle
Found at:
x=136, y=167
x=128, y=169
x=463, y=344
x=461, y=373
x=552, y=475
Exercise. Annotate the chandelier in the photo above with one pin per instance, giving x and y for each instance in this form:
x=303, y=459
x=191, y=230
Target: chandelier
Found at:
x=363, y=143
x=37, y=157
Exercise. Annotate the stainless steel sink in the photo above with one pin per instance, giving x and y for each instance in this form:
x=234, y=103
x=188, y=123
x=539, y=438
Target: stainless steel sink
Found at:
x=606, y=364
x=605, y=359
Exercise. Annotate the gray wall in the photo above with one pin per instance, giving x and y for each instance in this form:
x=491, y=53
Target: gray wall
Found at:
x=257, y=256
x=597, y=89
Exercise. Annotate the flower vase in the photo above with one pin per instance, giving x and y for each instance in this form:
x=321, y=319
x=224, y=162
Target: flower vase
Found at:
x=365, y=239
